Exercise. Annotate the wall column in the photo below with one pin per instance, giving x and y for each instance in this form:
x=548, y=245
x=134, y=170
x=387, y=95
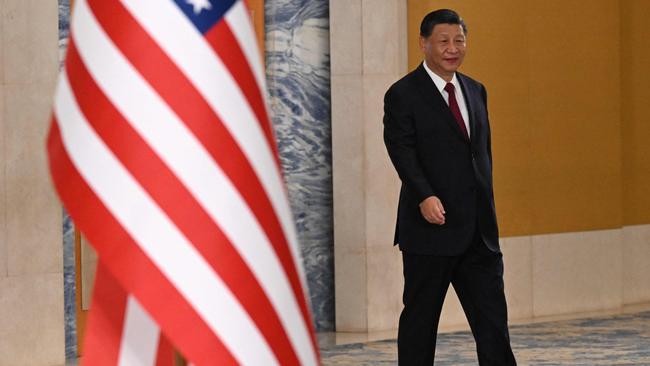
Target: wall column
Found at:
x=368, y=53
x=31, y=266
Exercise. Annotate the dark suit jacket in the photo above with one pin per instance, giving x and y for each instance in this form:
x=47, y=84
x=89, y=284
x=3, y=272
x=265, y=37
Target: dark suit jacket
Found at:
x=433, y=158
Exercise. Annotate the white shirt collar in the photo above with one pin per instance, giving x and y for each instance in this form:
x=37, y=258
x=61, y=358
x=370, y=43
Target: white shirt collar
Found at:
x=460, y=99
x=440, y=82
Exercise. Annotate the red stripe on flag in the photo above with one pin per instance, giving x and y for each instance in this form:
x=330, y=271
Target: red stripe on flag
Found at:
x=172, y=85
x=178, y=203
x=106, y=322
x=130, y=266
x=224, y=44
x=165, y=355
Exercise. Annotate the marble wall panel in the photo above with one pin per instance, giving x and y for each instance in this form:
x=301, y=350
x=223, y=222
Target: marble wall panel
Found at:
x=69, y=287
x=69, y=284
x=366, y=187
x=345, y=27
x=385, y=283
x=64, y=27
x=27, y=41
x=382, y=184
x=3, y=227
x=348, y=157
x=351, y=275
x=2, y=41
x=381, y=45
x=298, y=76
x=33, y=225
x=31, y=296
x=31, y=320
x=3, y=230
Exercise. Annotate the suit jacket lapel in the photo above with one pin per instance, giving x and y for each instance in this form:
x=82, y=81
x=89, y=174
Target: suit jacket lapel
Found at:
x=431, y=94
x=470, y=100
x=472, y=97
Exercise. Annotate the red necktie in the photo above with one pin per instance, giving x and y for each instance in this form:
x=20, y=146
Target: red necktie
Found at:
x=453, y=105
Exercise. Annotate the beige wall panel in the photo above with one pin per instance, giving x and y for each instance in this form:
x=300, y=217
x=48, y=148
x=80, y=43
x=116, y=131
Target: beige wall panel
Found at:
x=385, y=285
x=33, y=227
x=381, y=183
x=518, y=276
x=368, y=54
x=380, y=43
x=31, y=320
x=635, y=60
x=636, y=260
x=348, y=158
x=31, y=279
x=351, y=282
x=2, y=45
x=575, y=115
x=349, y=199
x=3, y=226
x=30, y=39
x=577, y=272
x=345, y=29
x=452, y=317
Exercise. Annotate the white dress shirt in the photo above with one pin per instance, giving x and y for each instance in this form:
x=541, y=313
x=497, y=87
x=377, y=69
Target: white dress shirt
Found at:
x=440, y=84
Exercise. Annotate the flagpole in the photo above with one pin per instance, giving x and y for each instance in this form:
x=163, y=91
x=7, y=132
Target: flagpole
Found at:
x=179, y=360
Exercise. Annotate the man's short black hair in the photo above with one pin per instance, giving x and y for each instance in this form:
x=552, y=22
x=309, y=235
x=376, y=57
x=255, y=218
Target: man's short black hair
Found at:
x=440, y=16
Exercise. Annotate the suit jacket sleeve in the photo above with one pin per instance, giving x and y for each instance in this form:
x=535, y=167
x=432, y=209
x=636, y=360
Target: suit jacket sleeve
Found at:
x=400, y=140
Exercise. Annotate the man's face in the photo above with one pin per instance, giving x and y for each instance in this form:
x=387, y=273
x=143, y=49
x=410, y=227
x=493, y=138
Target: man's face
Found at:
x=444, y=49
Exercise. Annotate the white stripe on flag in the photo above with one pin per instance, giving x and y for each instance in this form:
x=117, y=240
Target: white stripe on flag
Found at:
x=153, y=231
x=177, y=146
x=139, y=345
x=178, y=37
x=239, y=22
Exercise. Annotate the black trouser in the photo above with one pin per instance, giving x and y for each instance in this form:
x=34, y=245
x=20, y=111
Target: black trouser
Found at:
x=477, y=277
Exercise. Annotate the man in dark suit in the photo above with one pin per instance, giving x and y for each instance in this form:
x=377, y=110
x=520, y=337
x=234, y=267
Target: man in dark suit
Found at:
x=437, y=134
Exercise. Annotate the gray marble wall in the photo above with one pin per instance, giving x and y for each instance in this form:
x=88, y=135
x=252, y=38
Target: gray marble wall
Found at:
x=298, y=75
x=68, y=225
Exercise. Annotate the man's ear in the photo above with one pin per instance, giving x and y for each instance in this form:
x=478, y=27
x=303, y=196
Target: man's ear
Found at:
x=424, y=45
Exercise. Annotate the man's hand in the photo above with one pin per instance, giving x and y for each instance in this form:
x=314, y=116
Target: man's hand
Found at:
x=432, y=210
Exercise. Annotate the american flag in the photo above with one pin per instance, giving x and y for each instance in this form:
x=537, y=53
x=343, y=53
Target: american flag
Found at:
x=161, y=150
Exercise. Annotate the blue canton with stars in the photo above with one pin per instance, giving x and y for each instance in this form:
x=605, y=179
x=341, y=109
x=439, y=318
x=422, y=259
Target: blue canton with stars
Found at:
x=204, y=17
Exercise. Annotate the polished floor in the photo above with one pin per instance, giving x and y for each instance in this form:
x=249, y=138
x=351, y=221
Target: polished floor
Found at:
x=605, y=340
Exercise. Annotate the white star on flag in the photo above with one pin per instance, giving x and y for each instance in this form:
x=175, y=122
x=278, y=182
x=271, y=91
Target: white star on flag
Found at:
x=199, y=5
